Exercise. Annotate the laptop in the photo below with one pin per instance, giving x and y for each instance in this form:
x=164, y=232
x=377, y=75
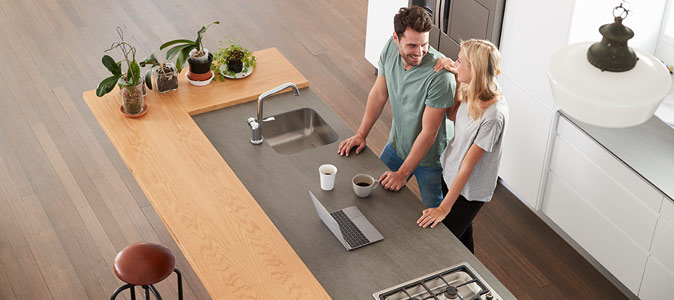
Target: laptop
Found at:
x=348, y=225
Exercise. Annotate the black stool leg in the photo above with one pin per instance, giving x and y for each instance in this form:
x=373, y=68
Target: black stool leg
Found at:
x=180, y=283
x=147, y=292
x=122, y=288
x=155, y=292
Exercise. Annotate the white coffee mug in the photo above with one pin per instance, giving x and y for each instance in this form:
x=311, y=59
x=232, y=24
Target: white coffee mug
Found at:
x=364, y=184
x=327, y=172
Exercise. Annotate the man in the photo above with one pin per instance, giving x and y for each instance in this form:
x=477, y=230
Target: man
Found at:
x=419, y=102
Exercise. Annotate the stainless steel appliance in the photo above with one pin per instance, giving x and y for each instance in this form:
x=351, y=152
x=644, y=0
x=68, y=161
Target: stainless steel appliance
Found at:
x=457, y=20
x=457, y=282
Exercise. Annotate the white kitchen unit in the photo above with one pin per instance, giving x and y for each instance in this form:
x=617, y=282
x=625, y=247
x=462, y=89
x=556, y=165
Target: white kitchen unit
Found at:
x=525, y=50
x=658, y=278
x=379, y=26
x=609, y=210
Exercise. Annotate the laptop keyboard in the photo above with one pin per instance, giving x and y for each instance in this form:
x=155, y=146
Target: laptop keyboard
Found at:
x=351, y=233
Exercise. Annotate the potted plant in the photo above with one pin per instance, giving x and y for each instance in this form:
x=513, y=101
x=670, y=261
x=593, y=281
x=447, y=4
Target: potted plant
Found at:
x=194, y=53
x=232, y=60
x=164, y=76
x=129, y=82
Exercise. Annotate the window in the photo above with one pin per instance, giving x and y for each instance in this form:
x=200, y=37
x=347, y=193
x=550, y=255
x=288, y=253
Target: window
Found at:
x=665, y=47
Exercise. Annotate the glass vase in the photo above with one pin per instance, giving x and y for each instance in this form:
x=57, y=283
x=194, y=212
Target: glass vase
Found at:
x=132, y=99
x=165, y=78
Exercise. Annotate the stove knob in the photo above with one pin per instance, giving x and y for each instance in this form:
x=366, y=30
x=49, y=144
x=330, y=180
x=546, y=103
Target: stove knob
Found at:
x=489, y=296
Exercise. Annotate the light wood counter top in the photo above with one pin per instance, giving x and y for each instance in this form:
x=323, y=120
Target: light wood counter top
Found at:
x=231, y=244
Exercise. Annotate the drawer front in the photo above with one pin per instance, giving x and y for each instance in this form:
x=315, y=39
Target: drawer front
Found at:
x=663, y=244
x=658, y=282
x=667, y=211
x=608, y=196
x=602, y=239
x=622, y=174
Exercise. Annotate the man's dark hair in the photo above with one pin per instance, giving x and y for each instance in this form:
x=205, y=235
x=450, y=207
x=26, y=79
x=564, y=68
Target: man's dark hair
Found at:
x=414, y=17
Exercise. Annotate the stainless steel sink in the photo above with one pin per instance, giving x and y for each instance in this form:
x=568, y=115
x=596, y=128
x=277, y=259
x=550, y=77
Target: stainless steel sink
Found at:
x=298, y=130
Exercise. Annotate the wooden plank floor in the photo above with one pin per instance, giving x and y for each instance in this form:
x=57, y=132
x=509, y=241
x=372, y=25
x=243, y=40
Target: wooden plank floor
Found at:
x=68, y=203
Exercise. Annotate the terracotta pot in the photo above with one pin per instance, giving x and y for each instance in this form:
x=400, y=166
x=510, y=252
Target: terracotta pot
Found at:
x=198, y=77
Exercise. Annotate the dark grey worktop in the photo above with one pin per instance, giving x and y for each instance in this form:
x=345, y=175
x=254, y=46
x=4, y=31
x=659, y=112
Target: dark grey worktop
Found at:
x=280, y=184
x=648, y=149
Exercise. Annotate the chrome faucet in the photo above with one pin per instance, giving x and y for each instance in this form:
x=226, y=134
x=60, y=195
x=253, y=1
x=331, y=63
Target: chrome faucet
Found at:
x=256, y=123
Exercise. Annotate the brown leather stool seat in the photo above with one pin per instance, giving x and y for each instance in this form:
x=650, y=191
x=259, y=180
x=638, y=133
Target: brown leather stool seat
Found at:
x=145, y=264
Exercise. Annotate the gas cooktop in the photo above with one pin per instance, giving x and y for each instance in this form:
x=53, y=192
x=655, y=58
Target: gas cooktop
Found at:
x=457, y=282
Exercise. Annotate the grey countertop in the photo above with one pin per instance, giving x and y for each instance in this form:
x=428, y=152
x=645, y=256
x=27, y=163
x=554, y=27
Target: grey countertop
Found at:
x=648, y=149
x=280, y=184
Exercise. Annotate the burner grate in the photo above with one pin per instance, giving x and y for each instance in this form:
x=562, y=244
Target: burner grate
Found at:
x=458, y=282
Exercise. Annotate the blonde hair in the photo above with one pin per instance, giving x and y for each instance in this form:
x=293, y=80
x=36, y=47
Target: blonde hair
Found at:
x=485, y=62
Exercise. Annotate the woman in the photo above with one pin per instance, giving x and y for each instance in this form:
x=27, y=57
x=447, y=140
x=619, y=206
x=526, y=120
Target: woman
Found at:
x=470, y=161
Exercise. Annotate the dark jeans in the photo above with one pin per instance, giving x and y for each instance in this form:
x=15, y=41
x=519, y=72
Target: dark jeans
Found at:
x=460, y=218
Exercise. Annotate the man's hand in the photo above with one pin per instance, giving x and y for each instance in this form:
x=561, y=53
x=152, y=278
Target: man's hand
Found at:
x=355, y=141
x=393, y=181
x=445, y=63
x=432, y=216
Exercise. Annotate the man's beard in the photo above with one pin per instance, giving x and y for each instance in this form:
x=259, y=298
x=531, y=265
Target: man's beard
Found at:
x=411, y=61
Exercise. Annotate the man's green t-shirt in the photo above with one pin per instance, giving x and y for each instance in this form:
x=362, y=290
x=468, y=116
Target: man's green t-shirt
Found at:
x=409, y=92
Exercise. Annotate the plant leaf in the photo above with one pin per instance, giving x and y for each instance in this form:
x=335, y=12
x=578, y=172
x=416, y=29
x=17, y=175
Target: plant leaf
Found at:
x=148, y=79
x=201, y=32
x=111, y=65
x=173, y=42
x=135, y=72
x=150, y=60
x=171, y=53
x=107, y=85
x=182, y=57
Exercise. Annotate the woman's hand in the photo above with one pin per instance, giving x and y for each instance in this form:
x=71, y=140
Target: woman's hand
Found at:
x=445, y=63
x=432, y=216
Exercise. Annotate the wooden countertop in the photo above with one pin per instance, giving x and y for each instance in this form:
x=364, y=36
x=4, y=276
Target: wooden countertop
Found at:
x=231, y=244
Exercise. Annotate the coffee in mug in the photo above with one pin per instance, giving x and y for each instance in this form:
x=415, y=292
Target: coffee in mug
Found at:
x=363, y=185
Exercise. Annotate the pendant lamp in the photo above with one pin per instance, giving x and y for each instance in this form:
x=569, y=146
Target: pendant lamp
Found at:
x=607, y=83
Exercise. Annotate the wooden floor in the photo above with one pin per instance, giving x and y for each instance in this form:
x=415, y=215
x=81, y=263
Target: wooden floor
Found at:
x=67, y=201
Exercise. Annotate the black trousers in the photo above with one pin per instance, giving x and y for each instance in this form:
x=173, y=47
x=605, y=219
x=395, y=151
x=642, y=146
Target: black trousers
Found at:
x=460, y=219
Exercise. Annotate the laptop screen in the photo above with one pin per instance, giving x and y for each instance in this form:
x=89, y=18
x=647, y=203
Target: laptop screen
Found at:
x=326, y=217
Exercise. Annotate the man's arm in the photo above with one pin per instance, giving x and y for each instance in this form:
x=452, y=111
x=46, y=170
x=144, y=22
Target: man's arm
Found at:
x=375, y=105
x=430, y=123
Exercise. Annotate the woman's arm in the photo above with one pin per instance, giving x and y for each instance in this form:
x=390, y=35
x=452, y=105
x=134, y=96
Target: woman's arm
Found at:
x=433, y=216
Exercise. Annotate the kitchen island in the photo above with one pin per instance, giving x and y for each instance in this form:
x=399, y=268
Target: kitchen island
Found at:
x=240, y=249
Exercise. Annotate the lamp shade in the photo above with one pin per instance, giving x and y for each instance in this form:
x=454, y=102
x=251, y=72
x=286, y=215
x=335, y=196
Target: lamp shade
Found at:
x=604, y=98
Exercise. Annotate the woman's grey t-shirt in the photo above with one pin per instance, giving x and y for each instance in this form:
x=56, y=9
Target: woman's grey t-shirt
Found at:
x=487, y=133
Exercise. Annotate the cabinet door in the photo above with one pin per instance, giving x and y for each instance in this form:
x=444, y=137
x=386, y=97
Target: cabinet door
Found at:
x=588, y=227
x=612, y=188
x=658, y=282
x=524, y=142
x=663, y=240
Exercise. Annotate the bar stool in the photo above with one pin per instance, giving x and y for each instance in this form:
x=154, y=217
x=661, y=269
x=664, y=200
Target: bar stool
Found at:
x=145, y=264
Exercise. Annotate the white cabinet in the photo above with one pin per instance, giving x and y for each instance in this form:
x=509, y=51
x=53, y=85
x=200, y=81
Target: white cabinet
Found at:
x=524, y=143
x=610, y=211
x=524, y=59
x=379, y=26
x=593, y=231
x=658, y=281
x=621, y=195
